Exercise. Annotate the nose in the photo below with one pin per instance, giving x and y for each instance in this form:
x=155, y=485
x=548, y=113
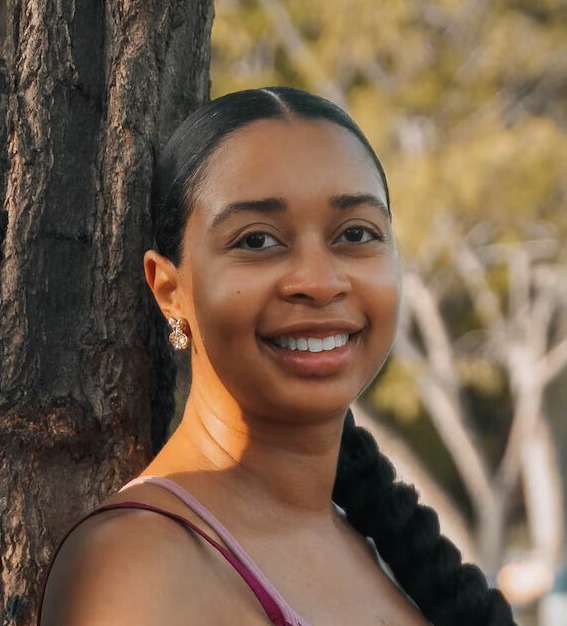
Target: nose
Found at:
x=315, y=277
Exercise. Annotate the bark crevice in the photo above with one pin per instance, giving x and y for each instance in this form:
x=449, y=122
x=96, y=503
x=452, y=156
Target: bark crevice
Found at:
x=86, y=391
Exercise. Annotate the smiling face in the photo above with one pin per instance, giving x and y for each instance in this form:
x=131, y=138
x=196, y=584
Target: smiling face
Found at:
x=289, y=277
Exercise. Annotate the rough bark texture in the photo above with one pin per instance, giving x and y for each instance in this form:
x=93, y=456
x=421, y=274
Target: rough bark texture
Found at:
x=94, y=88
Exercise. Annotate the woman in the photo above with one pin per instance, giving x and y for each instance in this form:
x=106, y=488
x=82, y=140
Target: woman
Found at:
x=275, y=262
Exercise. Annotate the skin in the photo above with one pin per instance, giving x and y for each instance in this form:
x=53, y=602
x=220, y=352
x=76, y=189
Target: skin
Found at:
x=259, y=439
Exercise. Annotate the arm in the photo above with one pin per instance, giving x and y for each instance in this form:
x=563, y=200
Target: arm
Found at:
x=125, y=567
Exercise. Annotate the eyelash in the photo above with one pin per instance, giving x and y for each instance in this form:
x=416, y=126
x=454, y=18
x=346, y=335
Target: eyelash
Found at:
x=238, y=243
x=374, y=235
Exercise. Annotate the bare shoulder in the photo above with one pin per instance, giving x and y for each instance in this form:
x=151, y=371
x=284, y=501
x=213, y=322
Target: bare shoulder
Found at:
x=125, y=566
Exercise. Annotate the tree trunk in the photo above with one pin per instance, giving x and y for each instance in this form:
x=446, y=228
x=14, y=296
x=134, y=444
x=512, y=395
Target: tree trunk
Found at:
x=491, y=524
x=94, y=88
x=542, y=485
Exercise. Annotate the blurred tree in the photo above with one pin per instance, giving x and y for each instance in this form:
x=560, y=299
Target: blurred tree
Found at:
x=465, y=101
x=522, y=342
x=93, y=90
x=466, y=104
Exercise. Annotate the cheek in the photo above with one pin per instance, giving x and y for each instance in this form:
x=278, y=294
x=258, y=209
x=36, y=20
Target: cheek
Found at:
x=382, y=291
x=226, y=317
x=224, y=309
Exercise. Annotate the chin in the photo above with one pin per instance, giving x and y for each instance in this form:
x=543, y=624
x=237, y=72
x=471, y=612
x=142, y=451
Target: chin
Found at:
x=314, y=407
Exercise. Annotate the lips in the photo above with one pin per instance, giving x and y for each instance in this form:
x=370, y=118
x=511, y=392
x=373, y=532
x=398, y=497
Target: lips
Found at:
x=314, y=350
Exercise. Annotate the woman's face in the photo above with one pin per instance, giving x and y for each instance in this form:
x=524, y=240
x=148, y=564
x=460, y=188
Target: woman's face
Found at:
x=289, y=275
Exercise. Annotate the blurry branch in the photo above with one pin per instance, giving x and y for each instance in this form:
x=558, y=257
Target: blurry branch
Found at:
x=554, y=362
x=520, y=343
x=517, y=342
x=543, y=492
x=439, y=387
x=375, y=73
x=517, y=97
x=473, y=275
x=467, y=27
x=299, y=51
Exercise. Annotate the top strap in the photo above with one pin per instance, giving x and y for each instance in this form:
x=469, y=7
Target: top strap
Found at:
x=268, y=603
x=291, y=616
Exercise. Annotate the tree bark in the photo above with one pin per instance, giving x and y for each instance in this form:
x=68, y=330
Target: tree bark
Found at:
x=94, y=89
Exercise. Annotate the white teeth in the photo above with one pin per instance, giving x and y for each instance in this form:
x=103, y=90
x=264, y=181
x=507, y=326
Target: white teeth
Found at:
x=328, y=343
x=312, y=344
x=315, y=345
x=302, y=344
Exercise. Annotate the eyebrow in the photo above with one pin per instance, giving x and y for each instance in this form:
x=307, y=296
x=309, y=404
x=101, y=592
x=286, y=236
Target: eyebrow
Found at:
x=353, y=200
x=278, y=205
x=265, y=205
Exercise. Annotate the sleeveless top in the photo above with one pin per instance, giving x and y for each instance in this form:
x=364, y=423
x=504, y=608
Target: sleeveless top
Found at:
x=275, y=606
x=277, y=609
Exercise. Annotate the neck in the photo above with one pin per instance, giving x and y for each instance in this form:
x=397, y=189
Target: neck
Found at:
x=289, y=466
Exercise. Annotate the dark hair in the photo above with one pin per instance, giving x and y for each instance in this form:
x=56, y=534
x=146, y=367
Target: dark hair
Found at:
x=182, y=163
x=408, y=538
x=406, y=534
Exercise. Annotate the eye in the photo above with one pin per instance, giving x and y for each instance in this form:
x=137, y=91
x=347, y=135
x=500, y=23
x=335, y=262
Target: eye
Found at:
x=256, y=241
x=359, y=234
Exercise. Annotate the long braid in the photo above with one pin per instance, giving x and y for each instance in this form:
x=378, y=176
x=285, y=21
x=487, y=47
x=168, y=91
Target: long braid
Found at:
x=407, y=536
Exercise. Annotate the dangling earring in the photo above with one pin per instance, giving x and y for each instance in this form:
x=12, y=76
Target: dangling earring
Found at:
x=177, y=338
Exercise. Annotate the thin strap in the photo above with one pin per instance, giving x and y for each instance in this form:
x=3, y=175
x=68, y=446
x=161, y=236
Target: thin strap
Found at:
x=197, y=507
x=269, y=605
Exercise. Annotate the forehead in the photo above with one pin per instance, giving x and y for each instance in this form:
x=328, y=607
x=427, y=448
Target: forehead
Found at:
x=295, y=159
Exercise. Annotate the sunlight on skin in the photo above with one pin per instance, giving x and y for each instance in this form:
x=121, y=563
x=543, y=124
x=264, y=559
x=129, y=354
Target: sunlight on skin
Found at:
x=307, y=279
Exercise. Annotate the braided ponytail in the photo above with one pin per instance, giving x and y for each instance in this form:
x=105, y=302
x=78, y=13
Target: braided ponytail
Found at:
x=407, y=536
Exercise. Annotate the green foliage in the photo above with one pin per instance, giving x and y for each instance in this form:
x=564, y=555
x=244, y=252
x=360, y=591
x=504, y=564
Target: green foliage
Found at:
x=396, y=394
x=466, y=107
x=466, y=104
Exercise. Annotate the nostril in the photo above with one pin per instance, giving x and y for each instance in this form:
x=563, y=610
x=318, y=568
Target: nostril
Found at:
x=295, y=288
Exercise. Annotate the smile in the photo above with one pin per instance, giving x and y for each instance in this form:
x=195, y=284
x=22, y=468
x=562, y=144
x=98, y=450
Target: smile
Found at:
x=312, y=344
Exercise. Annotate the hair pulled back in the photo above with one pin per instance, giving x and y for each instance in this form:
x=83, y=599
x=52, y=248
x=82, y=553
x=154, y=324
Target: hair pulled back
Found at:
x=408, y=538
x=406, y=534
x=183, y=162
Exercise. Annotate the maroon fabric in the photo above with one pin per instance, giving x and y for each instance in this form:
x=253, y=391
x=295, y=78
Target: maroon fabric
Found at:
x=268, y=603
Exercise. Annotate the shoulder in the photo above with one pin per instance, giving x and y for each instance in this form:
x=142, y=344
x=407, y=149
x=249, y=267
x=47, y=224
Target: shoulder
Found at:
x=123, y=563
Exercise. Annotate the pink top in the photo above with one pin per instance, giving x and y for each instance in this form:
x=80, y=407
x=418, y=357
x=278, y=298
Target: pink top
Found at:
x=273, y=603
x=276, y=607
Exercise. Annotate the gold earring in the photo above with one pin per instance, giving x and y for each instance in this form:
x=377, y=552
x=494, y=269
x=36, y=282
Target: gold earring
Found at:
x=177, y=338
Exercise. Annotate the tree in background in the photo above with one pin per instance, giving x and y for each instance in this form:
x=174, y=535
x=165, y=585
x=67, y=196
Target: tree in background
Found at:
x=517, y=347
x=466, y=103
x=93, y=89
x=463, y=100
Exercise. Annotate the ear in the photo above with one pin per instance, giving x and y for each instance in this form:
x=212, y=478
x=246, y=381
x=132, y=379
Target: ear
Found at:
x=162, y=278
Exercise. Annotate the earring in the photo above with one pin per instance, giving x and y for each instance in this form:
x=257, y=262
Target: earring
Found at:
x=177, y=338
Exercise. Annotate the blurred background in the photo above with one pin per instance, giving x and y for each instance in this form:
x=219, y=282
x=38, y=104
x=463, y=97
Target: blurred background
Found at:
x=465, y=102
